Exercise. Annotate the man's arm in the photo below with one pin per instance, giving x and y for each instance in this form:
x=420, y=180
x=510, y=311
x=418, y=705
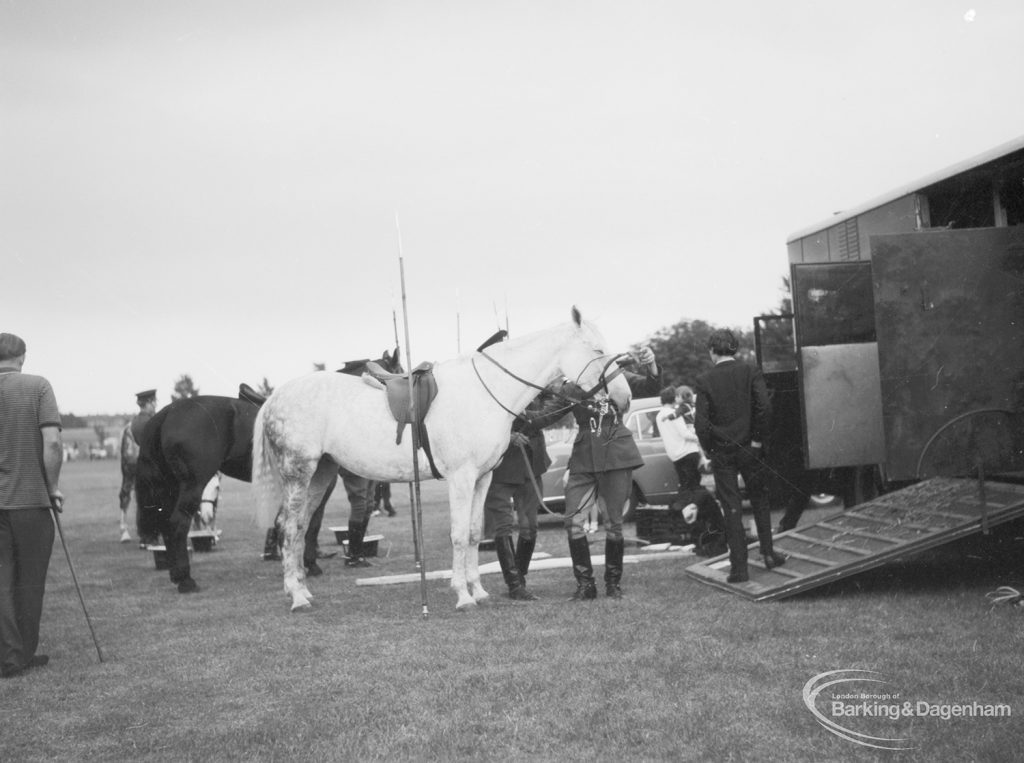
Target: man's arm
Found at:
x=53, y=460
x=761, y=413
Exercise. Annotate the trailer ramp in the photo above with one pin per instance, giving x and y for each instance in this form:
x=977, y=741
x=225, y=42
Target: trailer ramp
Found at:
x=890, y=527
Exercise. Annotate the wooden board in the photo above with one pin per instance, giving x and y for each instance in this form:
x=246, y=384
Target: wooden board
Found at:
x=895, y=525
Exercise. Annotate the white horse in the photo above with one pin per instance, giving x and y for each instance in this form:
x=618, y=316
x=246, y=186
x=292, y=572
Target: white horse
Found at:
x=311, y=425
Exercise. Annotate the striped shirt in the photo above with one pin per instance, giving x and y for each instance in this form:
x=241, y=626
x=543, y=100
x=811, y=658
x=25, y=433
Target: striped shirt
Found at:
x=27, y=403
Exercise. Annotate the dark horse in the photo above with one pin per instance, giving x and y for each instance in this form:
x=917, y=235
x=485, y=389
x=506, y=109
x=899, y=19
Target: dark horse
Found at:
x=183, y=446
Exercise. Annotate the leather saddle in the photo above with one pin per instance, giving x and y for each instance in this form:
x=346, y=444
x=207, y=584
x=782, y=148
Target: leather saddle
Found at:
x=396, y=387
x=247, y=393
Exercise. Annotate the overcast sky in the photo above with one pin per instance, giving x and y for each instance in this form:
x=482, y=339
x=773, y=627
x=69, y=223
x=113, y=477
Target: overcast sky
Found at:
x=212, y=187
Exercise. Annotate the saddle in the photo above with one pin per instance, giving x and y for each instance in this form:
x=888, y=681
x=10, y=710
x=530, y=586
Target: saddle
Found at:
x=396, y=387
x=247, y=393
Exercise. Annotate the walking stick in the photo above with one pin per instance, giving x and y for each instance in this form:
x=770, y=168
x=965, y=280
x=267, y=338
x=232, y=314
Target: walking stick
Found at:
x=74, y=578
x=416, y=507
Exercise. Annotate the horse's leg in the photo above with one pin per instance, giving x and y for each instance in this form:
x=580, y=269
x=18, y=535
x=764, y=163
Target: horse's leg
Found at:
x=176, y=536
x=320, y=489
x=476, y=524
x=296, y=474
x=461, y=489
x=124, y=496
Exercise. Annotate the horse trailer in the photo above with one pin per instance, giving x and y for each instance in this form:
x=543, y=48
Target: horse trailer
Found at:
x=904, y=355
x=898, y=379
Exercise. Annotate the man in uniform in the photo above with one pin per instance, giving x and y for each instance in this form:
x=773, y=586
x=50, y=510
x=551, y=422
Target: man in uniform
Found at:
x=601, y=467
x=131, y=437
x=514, y=484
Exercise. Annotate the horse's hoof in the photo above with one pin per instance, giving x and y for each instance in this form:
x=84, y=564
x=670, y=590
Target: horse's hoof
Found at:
x=125, y=537
x=300, y=604
x=481, y=596
x=188, y=586
x=314, y=571
x=465, y=606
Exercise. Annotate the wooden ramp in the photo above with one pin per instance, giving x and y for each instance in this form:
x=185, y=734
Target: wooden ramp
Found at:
x=892, y=526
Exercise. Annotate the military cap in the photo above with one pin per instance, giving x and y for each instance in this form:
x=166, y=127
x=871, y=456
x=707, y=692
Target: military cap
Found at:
x=145, y=396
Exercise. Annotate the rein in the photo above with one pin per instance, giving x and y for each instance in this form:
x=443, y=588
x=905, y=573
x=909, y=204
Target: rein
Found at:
x=602, y=382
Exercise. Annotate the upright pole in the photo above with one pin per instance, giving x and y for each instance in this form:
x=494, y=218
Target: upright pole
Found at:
x=412, y=500
x=416, y=508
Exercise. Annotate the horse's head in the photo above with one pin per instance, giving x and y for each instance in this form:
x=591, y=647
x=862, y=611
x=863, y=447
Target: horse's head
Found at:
x=585, y=360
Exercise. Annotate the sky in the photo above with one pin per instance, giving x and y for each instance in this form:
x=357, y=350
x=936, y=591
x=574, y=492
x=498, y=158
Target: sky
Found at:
x=233, y=190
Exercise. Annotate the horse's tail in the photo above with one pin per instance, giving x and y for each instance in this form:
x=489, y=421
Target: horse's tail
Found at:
x=265, y=477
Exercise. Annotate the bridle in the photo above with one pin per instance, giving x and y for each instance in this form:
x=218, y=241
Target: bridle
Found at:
x=602, y=381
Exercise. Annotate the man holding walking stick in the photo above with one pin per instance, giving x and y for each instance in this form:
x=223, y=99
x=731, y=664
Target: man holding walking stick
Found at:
x=31, y=454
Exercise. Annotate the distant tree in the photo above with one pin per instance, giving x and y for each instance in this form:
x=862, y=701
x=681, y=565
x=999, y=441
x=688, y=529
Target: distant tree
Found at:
x=682, y=349
x=265, y=389
x=101, y=433
x=319, y=366
x=184, y=387
x=71, y=421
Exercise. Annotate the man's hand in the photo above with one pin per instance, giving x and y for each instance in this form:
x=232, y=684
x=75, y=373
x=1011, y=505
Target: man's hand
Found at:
x=57, y=501
x=645, y=356
x=519, y=439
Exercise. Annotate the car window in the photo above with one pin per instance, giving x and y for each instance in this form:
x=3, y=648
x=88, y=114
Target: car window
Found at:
x=644, y=424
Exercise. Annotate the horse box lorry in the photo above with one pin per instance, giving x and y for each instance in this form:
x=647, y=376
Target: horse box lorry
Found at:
x=904, y=354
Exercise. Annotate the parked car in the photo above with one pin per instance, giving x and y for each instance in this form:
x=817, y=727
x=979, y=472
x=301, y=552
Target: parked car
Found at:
x=654, y=483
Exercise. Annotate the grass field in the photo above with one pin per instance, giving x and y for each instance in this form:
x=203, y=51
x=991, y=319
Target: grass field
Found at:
x=675, y=671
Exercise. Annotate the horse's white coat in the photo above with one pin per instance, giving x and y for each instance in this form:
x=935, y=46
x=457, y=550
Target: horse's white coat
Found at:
x=337, y=416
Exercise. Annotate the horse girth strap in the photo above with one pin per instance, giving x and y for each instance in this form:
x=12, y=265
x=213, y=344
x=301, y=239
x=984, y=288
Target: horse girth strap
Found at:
x=424, y=387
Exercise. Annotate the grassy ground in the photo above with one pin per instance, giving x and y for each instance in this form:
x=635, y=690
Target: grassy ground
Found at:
x=675, y=671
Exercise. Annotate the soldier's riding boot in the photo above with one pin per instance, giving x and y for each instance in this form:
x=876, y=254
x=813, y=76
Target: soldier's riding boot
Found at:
x=271, y=550
x=507, y=561
x=524, y=553
x=356, y=533
x=613, y=550
x=579, y=551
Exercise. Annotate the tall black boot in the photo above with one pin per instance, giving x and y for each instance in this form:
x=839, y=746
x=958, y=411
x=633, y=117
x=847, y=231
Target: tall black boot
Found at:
x=524, y=553
x=271, y=546
x=579, y=550
x=507, y=560
x=356, y=533
x=771, y=557
x=613, y=550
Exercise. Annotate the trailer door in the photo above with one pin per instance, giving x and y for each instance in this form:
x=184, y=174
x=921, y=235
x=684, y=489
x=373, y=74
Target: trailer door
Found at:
x=949, y=318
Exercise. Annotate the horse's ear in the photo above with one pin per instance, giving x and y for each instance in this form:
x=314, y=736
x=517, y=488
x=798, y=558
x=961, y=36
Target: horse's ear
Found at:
x=576, y=317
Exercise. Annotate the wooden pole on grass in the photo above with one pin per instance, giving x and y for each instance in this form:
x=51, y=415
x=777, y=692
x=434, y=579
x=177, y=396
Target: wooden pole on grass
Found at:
x=412, y=499
x=416, y=507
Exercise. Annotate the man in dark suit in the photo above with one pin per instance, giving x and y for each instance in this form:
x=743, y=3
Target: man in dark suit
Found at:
x=732, y=421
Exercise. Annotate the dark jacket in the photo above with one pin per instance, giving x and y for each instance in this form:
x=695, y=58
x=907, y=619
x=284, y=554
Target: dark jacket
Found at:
x=733, y=407
x=603, y=443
